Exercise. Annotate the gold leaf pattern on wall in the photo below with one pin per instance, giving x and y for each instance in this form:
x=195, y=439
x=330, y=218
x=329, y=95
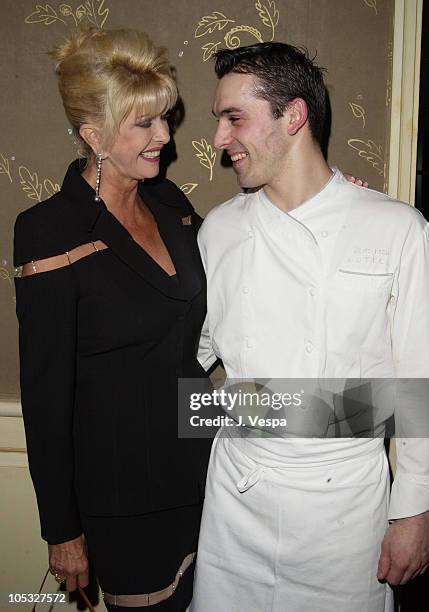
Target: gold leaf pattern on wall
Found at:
x=30, y=184
x=50, y=187
x=4, y=166
x=209, y=50
x=94, y=11
x=370, y=151
x=188, y=188
x=372, y=4
x=44, y=14
x=209, y=23
x=359, y=112
x=269, y=14
x=205, y=154
x=233, y=42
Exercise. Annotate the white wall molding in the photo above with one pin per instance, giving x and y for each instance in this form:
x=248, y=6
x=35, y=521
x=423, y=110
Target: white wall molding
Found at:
x=405, y=99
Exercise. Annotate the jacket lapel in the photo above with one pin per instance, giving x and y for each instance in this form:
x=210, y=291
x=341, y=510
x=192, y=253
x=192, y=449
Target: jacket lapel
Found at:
x=178, y=238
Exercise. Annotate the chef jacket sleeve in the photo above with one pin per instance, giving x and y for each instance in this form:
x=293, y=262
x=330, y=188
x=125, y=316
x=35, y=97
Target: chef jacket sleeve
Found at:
x=410, y=345
x=206, y=355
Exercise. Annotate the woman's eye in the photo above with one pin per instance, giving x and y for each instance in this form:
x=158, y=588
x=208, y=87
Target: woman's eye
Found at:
x=146, y=124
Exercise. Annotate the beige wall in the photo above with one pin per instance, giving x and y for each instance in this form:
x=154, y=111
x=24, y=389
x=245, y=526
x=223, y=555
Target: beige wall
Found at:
x=353, y=40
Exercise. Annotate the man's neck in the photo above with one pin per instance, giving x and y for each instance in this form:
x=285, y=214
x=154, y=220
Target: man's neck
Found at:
x=305, y=174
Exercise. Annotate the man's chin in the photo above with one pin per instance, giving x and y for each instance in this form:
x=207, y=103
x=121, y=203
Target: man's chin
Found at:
x=246, y=183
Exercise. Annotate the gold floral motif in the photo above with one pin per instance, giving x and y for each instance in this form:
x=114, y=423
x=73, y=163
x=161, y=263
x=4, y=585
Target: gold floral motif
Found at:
x=44, y=14
x=80, y=12
x=4, y=167
x=209, y=23
x=372, y=4
x=370, y=151
x=359, y=112
x=93, y=10
x=50, y=187
x=5, y=275
x=188, y=188
x=205, y=154
x=217, y=21
x=269, y=14
x=209, y=50
x=30, y=184
x=233, y=42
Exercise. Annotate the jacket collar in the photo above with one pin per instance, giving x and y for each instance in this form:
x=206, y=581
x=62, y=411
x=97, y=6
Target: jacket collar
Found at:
x=178, y=238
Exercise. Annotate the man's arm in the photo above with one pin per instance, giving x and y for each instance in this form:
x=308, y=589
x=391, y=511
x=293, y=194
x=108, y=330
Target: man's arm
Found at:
x=405, y=548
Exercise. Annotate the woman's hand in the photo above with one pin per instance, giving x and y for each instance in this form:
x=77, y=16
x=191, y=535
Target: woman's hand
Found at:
x=68, y=561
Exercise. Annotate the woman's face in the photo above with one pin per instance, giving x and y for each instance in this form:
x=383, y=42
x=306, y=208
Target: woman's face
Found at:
x=136, y=149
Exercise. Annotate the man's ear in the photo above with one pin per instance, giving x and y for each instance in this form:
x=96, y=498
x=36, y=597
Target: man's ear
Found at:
x=90, y=134
x=296, y=114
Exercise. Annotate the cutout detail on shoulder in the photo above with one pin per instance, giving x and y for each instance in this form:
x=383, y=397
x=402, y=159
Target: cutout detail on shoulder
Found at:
x=65, y=259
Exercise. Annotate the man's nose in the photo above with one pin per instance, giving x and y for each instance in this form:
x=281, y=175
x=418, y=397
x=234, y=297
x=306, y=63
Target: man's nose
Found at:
x=222, y=138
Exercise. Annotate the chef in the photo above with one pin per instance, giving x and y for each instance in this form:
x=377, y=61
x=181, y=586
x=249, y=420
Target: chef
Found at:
x=309, y=276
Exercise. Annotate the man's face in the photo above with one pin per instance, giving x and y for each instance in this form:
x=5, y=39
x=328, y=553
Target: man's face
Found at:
x=248, y=132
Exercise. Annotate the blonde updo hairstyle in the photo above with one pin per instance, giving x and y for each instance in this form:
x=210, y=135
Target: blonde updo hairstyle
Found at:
x=105, y=74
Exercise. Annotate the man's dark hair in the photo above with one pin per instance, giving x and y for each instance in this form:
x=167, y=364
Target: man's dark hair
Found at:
x=283, y=73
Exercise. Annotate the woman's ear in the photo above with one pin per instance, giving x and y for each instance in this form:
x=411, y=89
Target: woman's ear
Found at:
x=90, y=134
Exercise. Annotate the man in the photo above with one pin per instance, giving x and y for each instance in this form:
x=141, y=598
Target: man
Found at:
x=309, y=276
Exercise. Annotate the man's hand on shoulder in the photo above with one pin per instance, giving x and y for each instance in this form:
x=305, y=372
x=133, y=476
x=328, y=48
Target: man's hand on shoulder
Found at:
x=405, y=549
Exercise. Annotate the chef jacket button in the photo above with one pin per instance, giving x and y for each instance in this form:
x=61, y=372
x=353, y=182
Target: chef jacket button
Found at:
x=250, y=234
x=309, y=347
x=246, y=289
x=312, y=291
x=324, y=234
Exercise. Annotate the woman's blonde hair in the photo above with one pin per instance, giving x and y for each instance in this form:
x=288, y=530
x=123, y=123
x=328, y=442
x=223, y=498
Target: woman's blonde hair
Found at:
x=105, y=74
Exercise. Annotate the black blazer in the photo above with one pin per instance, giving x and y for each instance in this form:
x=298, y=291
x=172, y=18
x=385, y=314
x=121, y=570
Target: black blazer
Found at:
x=102, y=344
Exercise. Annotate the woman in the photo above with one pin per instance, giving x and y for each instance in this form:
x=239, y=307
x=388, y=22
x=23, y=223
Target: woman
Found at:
x=110, y=305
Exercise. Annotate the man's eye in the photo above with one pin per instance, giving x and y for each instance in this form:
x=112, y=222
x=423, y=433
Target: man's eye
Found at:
x=234, y=119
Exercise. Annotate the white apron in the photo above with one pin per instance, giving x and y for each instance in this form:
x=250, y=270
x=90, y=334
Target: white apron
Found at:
x=275, y=536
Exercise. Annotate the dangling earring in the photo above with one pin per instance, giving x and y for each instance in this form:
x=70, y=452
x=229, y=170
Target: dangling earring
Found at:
x=98, y=179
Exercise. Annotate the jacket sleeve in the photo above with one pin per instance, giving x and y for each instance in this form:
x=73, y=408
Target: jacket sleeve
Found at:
x=410, y=345
x=206, y=355
x=46, y=310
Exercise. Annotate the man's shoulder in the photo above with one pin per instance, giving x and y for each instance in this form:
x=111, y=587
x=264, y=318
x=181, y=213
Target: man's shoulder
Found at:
x=227, y=211
x=382, y=208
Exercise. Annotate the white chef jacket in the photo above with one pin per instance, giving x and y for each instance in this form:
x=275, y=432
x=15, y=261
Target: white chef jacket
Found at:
x=336, y=288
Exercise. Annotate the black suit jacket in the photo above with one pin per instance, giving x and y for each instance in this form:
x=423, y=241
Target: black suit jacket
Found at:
x=102, y=345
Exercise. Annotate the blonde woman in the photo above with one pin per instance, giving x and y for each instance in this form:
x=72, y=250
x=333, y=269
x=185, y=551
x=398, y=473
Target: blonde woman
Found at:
x=110, y=305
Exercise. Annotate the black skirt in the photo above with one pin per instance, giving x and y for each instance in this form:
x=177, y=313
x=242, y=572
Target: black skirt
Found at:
x=142, y=554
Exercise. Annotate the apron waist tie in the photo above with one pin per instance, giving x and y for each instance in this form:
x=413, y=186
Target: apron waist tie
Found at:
x=251, y=478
